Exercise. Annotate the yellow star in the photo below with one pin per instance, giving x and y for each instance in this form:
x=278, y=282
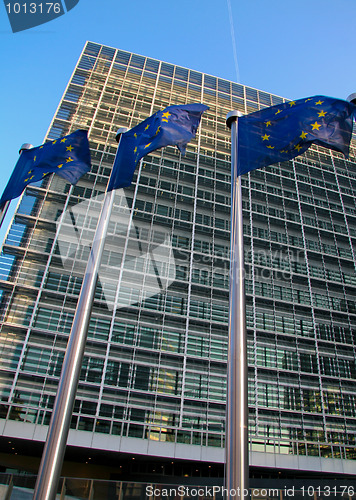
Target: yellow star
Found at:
x=265, y=137
x=69, y=148
x=135, y=150
x=306, y=100
x=316, y=126
x=319, y=102
x=64, y=139
x=41, y=147
x=270, y=147
x=60, y=166
x=165, y=116
x=303, y=135
x=54, y=142
x=277, y=112
x=149, y=144
x=158, y=130
x=69, y=159
x=292, y=103
x=268, y=123
x=298, y=147
x=35, y=158
x=135, y=135
x=322, y=113
x=26, y=180
x=147, y=127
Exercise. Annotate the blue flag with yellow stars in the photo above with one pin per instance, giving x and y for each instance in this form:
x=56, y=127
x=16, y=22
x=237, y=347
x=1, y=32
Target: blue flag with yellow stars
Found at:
x=68, y=157
x=285, y=131
x=174, y=126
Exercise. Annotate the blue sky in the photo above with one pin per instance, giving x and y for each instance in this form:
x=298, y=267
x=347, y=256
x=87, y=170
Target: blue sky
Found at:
x=292, y=48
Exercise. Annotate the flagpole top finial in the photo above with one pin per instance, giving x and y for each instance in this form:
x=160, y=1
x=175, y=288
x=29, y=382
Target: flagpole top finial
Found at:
x=120, y=131
x=352, y=98
x=25, y=146
x=232, y=116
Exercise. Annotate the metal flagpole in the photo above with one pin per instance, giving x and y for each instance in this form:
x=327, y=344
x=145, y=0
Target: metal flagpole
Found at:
x=236, y=441
x=4, y=209
x=53, y=453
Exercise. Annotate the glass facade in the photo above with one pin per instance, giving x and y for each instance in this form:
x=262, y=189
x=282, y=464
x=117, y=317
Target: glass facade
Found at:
x=155, y=361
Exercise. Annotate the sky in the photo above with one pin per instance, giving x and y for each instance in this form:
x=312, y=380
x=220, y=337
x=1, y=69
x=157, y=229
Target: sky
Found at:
x=292, y=48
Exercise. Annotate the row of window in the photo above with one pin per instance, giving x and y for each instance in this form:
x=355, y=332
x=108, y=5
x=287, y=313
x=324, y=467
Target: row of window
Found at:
x=46, y=361
x=265, y=441
x=26, y=406
x=20, y=312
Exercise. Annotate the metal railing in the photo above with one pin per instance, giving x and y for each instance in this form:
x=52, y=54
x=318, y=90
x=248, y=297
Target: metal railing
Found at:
x=20, y=487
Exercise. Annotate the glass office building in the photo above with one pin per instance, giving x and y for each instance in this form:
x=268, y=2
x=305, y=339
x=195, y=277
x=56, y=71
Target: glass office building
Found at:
x=153, y=380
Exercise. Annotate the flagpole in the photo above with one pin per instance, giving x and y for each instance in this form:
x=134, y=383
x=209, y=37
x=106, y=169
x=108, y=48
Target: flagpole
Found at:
x=53, y=453
x=4, y=209
x=236, y=442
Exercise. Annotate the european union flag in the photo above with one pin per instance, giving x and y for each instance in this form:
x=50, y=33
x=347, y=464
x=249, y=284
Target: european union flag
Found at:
x=175, y=126
x=68, y=157
x=285, y=131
